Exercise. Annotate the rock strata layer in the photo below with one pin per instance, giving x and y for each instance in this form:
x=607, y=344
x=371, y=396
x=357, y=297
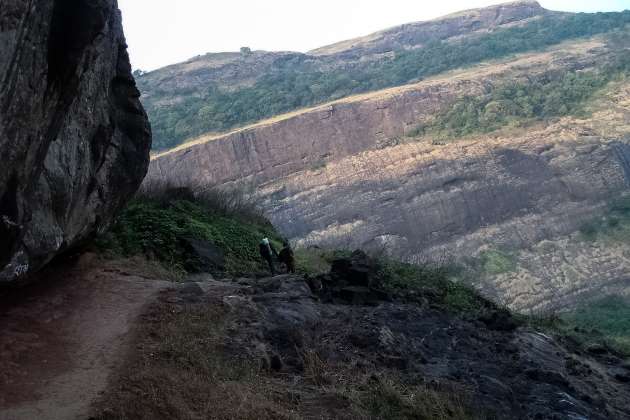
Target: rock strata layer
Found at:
x=74, y=138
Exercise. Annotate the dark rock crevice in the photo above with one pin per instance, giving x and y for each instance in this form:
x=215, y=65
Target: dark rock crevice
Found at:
x=75, y=24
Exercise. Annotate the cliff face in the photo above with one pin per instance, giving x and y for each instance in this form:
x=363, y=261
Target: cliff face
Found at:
x=345, y=175
x=74, y=138
x=294, y=142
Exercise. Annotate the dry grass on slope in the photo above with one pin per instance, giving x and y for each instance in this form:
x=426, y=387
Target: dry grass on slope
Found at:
x=185, y=365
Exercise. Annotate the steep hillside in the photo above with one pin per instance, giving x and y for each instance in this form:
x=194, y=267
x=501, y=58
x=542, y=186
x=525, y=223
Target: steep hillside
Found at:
x=217, y=92
x=546, y=157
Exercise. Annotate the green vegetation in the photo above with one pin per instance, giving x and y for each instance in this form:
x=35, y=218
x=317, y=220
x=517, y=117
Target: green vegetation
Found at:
x=514, y=104
x=613, y=226
x=407, y=281
x=297, y=80
x=433, y=281
x=518, y=103
x=495, y=262
x=607, y=320
x=157, y=226
x=600, y=323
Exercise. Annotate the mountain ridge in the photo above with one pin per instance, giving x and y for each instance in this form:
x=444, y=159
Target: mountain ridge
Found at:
x=491, y=16
x=215, y=93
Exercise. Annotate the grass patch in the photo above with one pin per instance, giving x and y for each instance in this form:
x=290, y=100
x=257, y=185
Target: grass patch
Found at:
x=613, y=226
x=182, y=371
x=157, y=225
x=496, y=262
x=389, y=399
x=319, y=165
x=432, y=281
x=603, y=322
x=607, y=319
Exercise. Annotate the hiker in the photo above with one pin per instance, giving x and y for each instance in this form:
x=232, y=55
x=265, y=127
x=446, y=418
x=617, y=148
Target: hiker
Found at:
x=267, y=251
x=286, y=257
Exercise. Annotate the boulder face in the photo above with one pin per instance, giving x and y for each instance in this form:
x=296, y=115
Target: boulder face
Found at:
x=74, y=138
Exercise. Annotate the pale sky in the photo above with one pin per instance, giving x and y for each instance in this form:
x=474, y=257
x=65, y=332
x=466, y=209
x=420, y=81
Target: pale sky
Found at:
x=162, y=32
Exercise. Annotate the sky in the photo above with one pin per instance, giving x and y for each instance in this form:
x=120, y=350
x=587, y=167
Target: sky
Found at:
x=163, y=32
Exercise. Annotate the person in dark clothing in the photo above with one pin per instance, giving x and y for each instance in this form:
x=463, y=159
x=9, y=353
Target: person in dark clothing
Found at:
x=287, y=258
x=267, y=252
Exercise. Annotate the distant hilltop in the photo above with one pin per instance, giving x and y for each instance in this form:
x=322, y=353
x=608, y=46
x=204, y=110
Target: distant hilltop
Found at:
x=414, y=35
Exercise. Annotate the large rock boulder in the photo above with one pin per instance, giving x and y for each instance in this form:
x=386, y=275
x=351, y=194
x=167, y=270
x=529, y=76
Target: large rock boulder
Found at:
x=74, y=138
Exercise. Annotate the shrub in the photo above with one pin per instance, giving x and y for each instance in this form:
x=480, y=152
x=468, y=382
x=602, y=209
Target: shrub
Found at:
x=314, y=261
x=516, y=104
x=157, y=222
x=434, y=281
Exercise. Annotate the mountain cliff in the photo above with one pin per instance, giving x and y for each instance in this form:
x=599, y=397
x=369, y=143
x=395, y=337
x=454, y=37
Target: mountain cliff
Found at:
x=501, y=166
x=74, y=137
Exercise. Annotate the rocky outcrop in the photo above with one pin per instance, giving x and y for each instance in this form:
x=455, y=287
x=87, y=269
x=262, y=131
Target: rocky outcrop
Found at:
x=74, y=138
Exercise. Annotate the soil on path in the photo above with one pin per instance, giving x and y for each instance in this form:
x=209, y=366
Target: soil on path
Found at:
x=63, y=336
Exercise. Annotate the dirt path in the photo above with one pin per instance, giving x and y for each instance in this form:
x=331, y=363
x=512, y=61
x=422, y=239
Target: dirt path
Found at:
x=62, y=337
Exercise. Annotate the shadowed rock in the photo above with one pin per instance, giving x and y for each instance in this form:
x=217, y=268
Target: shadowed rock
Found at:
x=508, y=370
x=74, y=138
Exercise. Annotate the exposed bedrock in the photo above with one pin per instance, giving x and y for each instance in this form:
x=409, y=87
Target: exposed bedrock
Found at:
x=74, y=138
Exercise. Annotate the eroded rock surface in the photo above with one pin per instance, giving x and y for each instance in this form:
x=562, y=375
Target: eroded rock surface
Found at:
x=74, y=138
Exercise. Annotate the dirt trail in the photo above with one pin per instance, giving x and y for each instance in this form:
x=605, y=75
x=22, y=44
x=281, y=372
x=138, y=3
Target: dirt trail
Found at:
x=63, y=336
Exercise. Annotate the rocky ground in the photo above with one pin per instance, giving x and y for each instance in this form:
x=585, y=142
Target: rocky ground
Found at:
x=106, y=339
x=334, y=347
